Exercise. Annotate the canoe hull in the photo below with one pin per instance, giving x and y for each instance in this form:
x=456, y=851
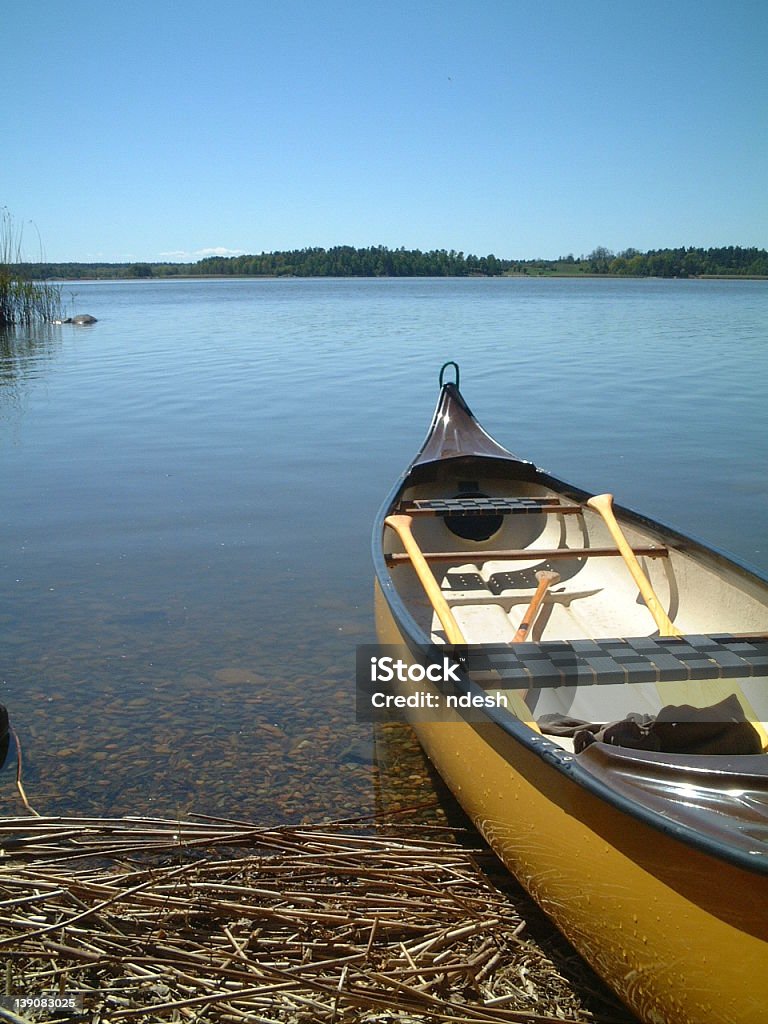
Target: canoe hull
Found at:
x=638, y=904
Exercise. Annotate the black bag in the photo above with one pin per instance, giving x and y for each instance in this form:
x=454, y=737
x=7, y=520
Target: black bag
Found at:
x=719, y=729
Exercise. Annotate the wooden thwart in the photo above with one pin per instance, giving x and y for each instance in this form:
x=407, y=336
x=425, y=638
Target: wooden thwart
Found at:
x=534, y=554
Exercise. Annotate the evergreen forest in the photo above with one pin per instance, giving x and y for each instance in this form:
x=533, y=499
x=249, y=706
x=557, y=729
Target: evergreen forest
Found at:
x=380, y=261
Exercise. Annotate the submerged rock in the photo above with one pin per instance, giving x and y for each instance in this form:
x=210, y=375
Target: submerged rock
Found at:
x=81, y=319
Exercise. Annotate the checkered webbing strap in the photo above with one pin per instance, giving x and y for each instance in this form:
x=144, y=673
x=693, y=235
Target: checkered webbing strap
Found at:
x=486, y=506
x=631, y=660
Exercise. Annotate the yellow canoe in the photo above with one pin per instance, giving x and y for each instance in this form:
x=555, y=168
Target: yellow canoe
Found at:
x=607, y=730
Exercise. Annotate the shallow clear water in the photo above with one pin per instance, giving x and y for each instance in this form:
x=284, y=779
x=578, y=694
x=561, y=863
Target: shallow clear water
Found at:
x=189, y=485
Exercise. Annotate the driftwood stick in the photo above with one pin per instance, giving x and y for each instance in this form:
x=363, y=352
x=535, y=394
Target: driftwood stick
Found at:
x=340, y=988
x=14, y=1018
x=19, y=783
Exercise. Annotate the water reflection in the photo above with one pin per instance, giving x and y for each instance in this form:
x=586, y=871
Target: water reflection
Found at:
x=24, y=351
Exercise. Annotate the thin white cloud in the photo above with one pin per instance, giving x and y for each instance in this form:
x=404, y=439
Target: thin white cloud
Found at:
x=199, y=254
x=219, y=251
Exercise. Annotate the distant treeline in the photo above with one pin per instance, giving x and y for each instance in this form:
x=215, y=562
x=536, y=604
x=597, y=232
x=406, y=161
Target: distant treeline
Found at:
x=379, y=261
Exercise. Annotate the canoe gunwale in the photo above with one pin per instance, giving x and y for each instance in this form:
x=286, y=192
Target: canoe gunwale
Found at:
x=481, y=452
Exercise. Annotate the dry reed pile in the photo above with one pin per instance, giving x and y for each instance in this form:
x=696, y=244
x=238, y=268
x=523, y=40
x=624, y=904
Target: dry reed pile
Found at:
x=209, y=920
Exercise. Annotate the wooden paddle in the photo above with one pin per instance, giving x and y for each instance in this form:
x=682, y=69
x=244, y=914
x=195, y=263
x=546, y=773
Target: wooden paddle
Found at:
x=603, y=503
x=546, y=578
x=402, y=526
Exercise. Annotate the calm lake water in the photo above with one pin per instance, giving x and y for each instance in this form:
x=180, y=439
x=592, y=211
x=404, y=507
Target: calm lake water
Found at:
x=189, y=485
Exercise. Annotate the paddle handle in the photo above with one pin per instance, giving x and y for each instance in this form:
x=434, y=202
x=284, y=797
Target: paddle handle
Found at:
x=546, y=579
x=603, y=503
x=401, y=524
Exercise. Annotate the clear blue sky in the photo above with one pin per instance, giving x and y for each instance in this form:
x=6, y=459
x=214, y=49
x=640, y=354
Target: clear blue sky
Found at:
x=167, y=129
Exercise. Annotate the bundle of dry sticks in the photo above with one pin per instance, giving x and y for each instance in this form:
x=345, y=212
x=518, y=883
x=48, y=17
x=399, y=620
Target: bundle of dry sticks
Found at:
x=209, y=920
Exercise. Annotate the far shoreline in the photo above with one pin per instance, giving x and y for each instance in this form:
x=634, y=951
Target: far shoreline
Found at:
x=346, y=261
x=163, y=278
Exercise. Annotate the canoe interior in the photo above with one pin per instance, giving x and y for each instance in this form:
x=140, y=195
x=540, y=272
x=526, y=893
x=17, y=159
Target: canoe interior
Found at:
x=595, y=598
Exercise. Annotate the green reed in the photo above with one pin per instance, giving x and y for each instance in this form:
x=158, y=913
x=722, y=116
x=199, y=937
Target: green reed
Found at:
x=22, y=301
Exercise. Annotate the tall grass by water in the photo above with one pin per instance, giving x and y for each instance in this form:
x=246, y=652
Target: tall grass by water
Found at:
x=22, y=301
